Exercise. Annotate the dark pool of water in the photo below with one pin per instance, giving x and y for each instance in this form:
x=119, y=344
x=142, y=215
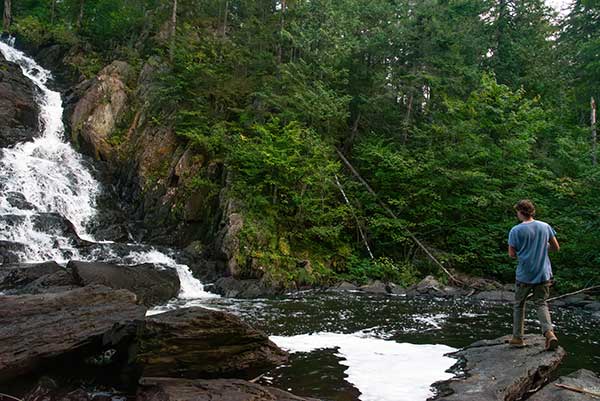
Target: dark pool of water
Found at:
x=456, y=323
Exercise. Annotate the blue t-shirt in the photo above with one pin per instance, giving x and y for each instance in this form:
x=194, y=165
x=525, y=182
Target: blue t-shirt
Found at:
x=530, y=240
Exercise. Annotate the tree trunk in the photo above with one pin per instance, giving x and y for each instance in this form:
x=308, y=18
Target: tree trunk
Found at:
x=593, y=124
x=7, y=18
x=226, y=14
x=173, y=30
x=407, y=119
x=80, y=16
x=53, y=12
x=281, y=27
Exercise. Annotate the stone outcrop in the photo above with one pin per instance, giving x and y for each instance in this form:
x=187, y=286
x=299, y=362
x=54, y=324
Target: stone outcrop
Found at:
x=18, y=108
x=251, y=288
x=102, y=106
x=19, y=275
x=494, y=371
x=201, y=343
x=37, y=328
x=152, y=284
x=167, y=389
x=582, y=379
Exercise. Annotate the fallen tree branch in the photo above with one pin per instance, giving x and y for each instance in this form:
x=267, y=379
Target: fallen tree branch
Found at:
x=360, y=230
x=578, y=390
x=2, y=395
x=573, y=293
x=393, y=215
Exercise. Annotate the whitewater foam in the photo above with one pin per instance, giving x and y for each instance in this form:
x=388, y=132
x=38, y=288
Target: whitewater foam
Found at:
x=381, y=370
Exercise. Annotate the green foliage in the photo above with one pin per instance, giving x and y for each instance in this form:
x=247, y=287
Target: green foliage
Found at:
x=451, y=110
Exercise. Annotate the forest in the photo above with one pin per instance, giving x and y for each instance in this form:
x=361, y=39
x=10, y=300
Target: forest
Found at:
x=451, y=110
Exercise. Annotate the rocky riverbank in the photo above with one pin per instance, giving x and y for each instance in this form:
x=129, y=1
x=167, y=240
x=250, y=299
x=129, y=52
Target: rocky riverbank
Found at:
x=98, y=336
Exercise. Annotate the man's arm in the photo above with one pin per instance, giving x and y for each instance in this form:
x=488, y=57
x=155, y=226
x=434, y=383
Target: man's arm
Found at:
x=553, y=244
x=512, y=252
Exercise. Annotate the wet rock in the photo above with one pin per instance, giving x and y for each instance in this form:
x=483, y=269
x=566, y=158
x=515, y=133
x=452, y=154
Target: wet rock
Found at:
x=251, y=288
x=593, y=306
x=35, y=329
x=345, y=286
x=495, y=371
x=49, y=389
x=201, y=343
x=19, y=275
x=495, y=296
x=97, y=113
x=58, y=225
x=375, y=287
x=55, y=282
x=168, y=389
x=396, y=289
x=10, y=251
x=582, y=379
x=18, y=201
x=577, y=300
x=428, y=286
x=18, y=109
x=152, y=284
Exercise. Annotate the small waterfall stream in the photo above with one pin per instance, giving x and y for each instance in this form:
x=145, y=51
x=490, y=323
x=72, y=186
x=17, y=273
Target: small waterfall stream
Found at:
x=47, y=178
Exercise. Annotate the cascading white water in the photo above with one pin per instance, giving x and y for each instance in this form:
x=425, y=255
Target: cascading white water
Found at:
x=47, y=172
x=52, y=178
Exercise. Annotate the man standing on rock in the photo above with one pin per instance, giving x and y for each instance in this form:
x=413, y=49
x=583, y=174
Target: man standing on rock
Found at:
x=529, y=242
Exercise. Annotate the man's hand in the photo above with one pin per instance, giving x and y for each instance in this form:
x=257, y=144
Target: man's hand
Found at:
x=512, y=252
x=553, y=245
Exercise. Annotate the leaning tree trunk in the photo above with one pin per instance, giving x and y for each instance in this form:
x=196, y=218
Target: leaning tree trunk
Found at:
x=80, y=16
x=173, y=30
x=7, y=18
x=594, y=140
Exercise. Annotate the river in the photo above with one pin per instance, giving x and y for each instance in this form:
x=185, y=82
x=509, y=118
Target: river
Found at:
x=344, y=346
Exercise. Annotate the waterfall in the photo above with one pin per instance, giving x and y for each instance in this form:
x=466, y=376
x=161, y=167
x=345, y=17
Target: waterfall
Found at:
x=49, y=176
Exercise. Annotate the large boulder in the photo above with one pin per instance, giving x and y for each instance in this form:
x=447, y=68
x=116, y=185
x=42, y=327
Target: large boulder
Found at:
x=18, y=275
x=151, y=283
x=582, y=379
x=169, y=389
x=493, y=371
x=35, y=329
x=428, y=286
x=201, y=343
x=250, y=288
x=10, y=251
x=100, y=109
x=18, y=109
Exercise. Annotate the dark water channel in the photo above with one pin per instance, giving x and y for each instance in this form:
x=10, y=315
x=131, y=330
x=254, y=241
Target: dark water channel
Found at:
x=455, y=323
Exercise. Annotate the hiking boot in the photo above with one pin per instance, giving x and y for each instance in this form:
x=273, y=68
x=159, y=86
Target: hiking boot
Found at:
x=551, y=341
x=516, y=342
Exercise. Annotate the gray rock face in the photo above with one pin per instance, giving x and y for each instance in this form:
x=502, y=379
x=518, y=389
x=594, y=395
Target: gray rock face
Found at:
x=376, y=287
x=234, y=288
x=167, y=389
x=97, y=113
x=9, y=251
x=495, y=371
x=36, y=328
x=150, y=283
x=15, y=276
x=201, y=343
x=18, y=108
x=582, y=379
x=428, y=286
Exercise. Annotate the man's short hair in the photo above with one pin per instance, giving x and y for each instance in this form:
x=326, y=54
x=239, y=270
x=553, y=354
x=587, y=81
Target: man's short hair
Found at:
x=526, y=207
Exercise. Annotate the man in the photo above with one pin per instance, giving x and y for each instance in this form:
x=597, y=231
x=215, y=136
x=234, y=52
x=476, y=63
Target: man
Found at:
x=529, y=242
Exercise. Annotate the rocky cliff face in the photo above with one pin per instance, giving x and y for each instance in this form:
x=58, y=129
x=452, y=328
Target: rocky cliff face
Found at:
x=158, y=175
x=18, y=109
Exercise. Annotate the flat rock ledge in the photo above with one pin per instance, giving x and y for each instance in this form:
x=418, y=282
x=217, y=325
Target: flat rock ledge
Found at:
x=491, y=370
x=582, y=379
x=37, y=328
x=198, y=343
x=168, y=389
